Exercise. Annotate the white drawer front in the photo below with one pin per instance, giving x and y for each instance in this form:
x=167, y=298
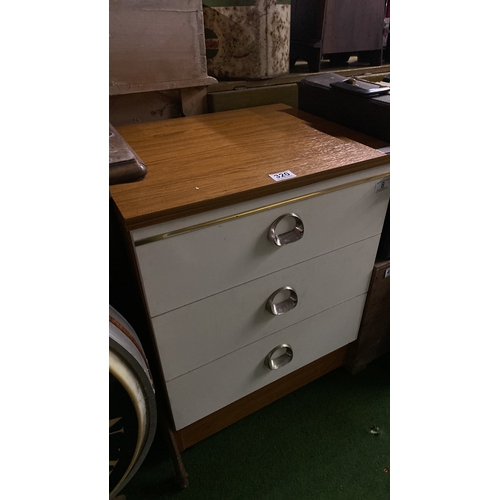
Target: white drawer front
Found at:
x=188, y=267
x=203, y=331
x=211, y=387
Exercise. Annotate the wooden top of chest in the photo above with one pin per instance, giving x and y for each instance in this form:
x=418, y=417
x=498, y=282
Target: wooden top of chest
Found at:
x=203, y=162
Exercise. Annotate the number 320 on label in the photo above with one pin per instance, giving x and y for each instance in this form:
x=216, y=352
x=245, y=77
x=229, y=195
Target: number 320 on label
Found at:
x=281, y=176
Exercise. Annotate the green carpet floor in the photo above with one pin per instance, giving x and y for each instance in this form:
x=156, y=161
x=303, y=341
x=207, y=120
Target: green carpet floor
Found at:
x=326, y=441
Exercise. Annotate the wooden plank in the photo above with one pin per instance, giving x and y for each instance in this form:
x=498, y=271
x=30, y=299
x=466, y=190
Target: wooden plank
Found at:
x=259, y=96
x=209, y=161
x=377, y=78
x=374, y=333
x=190, y=435
x=294, y=77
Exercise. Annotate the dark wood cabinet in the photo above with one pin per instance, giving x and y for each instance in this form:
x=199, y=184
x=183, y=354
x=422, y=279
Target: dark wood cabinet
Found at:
x=335, y=30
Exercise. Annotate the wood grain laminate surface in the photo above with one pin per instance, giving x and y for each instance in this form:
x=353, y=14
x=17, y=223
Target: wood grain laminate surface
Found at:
x=209, y=161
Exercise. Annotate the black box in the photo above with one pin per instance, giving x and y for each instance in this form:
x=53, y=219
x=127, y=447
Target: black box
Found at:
x=348, y=101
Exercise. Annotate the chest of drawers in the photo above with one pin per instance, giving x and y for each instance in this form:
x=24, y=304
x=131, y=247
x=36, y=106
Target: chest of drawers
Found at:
x=249, y=281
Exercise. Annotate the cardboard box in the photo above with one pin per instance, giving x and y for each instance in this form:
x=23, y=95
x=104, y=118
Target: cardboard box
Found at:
x=156, y=45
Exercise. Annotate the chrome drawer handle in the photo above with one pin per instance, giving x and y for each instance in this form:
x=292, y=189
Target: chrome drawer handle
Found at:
x=283, y=359
x=289, y=237
x=284, y=306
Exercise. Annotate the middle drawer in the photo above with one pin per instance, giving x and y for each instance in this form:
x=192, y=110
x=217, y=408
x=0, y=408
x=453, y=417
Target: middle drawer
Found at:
x=200, y=332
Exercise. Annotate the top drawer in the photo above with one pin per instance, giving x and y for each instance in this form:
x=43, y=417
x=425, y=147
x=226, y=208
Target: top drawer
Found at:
x=205, y=258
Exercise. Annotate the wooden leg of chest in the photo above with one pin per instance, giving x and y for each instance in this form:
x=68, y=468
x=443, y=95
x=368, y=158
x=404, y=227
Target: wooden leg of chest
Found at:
x=181, y=475
x=230, y=414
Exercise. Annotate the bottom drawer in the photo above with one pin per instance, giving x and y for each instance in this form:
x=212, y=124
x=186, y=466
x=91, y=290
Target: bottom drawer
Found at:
x=209, y=388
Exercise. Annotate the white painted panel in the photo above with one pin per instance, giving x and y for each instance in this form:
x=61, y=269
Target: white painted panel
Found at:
x=203, y=331
x=211, y=387
x=188, y=267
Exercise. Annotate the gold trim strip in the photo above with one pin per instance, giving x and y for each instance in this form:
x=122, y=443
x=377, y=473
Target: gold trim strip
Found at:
x=188, y=229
